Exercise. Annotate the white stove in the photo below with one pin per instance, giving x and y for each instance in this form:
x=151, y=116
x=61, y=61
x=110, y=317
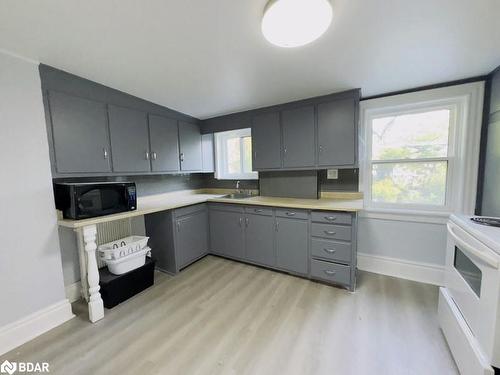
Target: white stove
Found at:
x=469, y=303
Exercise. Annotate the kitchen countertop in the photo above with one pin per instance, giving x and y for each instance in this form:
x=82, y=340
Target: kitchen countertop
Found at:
x=169, y=201
x=325, y=204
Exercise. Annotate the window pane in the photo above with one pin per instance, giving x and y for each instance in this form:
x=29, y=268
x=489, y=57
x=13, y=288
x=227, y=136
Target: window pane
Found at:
x=413, y=182
x=247, y=154
x=411, y=136
x=233, y=155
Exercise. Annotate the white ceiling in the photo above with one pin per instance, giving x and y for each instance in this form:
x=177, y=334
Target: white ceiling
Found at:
x=208, y=57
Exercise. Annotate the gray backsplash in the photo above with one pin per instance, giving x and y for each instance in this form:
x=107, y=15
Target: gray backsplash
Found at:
x=289, y=184
x=281, y=183
x=348, y=181
x=152, y=184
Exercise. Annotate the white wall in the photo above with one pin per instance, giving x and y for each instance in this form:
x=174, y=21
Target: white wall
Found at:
x=31, y=278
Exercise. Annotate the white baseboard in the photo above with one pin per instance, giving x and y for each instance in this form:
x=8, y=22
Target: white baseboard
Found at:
x=404, y=269
x=74, y=291
x=31, y=326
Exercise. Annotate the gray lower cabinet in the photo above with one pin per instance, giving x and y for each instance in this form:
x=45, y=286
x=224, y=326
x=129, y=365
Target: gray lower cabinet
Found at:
x=190, y=147
x=164, y=140
x=178, y=237
x=333, y=247
x=129, y=139
x=227, y=232
x=80, y=134
x=298, y=137
x=291, y=244
x=266, y=141
x=259, y=239
x=336, y=133
x=191, y=238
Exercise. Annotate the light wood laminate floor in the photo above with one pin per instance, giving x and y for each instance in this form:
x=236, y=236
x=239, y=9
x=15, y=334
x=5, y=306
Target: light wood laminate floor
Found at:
x=224, y=317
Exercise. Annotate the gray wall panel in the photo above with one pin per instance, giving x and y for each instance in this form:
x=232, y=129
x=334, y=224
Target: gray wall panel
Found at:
x=491, y=185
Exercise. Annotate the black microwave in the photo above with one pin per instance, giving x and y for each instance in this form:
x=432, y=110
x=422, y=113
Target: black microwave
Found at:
x=91, y=199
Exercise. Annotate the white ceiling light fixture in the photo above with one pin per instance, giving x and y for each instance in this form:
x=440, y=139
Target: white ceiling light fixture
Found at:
x=294, y=23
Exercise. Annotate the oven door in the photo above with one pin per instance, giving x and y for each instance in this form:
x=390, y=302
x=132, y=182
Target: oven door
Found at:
x=98, y=200
x=472, y=279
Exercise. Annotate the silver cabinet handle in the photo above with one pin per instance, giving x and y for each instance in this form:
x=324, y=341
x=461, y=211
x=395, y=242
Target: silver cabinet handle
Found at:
x=241, y=221
x=330, y=232
x=105, y=152
x=330, y=273
x=258, y=210
x=147, y=155
x=320, y=148
x=246, y=221
x=330, y=251
x=182, y=156
x=277, y=225
x=153, y=155
x=330, y=218
x=284, y=150
x=178, y=226
x=290, y=213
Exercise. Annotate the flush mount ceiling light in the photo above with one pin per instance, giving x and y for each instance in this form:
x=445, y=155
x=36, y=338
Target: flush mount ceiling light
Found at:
x=294, y=23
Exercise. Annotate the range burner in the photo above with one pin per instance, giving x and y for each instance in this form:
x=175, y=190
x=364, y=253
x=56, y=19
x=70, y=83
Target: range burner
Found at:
x=491, y=221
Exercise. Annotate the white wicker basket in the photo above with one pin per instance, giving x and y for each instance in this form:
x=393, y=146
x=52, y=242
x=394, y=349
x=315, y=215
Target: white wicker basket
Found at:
x=122, y=247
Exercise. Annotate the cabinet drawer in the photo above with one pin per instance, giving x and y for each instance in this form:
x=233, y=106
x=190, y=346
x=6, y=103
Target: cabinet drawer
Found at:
x=331, y=272
x=179, y=212
x=331, y=217
x=292, y=213
x=337, y=232
x=259, y=210
x=331, y=250
x=226, y=207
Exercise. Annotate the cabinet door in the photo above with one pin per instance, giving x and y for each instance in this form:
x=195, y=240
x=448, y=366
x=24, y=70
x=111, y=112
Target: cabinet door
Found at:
x=164, y=139
x=259, y=239
x=291, y=244
x=337, y=133
x=226, y=234
x=298, y=137
x=207, y=149
x=80, y=133
x=190, y=147
x=192, y=237
x=266, y=141
x=129, y=139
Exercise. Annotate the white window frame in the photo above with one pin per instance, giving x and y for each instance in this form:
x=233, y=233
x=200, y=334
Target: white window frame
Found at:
x=221, y=172
x=465, y=103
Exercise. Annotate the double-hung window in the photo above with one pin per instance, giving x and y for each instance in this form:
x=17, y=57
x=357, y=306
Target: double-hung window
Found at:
x=421, y=149
x=233, y=155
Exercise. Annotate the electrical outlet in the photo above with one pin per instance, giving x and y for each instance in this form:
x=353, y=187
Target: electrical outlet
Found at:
x=332, y=174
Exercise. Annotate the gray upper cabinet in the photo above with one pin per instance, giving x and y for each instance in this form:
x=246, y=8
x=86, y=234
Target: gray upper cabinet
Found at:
x=191, y=237
x=292, y=244
x=129, y=139
x=266, y=141
x=259, y=239
x=336, y=133
x=164, y=139
x=226, y=233
x=298, y=137
x=80, y=134
x=207, y=149
x=190, y=147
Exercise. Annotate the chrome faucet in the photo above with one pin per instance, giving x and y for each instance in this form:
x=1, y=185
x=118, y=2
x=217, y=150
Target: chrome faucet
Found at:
x=238, y=186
